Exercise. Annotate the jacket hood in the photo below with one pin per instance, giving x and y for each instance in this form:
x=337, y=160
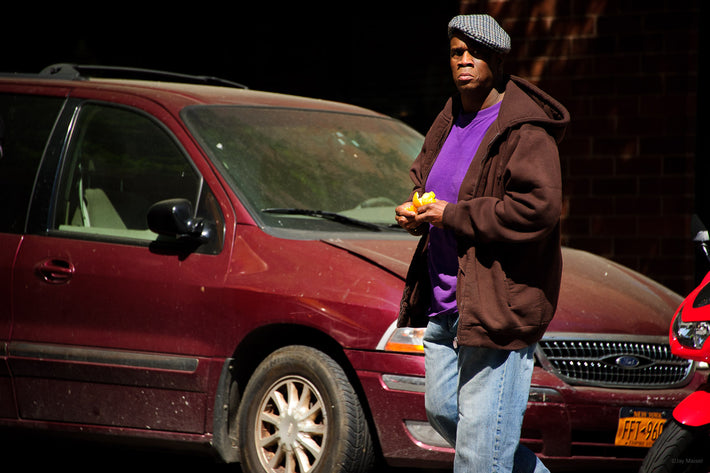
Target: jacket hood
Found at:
x=539, y=108
x=526, y=103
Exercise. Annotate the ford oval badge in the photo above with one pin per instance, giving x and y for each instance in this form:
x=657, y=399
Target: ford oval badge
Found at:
x=628, y=361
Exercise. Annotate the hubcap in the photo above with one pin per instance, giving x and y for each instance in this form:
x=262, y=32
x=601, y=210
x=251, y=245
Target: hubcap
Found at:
x=291, y=427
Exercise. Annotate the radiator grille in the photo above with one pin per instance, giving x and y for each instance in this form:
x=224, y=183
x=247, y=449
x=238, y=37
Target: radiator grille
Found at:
x=611, y=362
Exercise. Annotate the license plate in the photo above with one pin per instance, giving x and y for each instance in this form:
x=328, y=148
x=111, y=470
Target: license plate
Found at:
x=640, y=427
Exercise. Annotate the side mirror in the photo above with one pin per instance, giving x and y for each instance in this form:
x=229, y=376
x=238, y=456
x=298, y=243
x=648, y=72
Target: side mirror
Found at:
x=700, y=235
x=174, y=218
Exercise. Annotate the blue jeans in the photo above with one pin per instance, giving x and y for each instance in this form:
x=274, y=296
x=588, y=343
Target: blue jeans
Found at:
x=476, y=398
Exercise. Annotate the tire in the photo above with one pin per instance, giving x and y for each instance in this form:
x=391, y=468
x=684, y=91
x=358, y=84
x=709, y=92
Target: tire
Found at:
x=679, y=449
x=300, y=414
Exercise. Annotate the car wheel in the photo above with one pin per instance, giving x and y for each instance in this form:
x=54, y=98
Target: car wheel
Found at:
x=300, y=414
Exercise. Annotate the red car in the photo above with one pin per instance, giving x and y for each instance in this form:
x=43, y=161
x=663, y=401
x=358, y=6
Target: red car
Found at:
x=210, y=265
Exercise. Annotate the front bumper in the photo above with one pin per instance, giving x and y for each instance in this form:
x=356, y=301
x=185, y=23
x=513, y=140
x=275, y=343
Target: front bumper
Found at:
x=566, y=426
x=393, y=387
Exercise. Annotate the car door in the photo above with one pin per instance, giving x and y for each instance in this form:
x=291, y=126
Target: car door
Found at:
x=114, y=325
x=26, y=121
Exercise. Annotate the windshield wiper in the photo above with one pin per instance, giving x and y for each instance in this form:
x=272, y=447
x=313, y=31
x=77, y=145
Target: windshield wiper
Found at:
x=336, y=217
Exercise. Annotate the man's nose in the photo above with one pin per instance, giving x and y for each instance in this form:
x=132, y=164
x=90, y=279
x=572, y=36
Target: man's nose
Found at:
x=466, y=59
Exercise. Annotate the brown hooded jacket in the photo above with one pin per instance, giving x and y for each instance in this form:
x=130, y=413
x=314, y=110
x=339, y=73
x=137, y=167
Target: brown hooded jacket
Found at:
x=507, y=223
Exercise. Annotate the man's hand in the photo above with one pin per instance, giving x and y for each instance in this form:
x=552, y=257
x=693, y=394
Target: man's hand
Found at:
x=432, y=213
x=406, y=218
x=411, y=221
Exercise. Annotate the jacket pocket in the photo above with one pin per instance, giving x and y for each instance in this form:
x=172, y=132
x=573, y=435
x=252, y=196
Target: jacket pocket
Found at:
x=526, y=303
x=505, y=299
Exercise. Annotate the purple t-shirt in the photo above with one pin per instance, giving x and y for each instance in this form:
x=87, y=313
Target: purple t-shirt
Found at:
x=445, y=180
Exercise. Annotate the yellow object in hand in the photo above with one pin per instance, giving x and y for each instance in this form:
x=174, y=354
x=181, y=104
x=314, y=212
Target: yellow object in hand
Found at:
x=427, y=198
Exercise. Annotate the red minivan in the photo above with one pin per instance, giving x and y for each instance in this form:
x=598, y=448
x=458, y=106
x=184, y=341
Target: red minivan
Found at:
x=201, y=263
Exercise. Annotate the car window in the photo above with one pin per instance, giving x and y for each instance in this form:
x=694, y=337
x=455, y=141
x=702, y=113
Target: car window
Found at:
x=119, y=163
x=292, y=159
x=25, y=124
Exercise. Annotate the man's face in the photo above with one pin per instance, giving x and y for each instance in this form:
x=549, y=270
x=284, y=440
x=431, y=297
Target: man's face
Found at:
x=473, y=66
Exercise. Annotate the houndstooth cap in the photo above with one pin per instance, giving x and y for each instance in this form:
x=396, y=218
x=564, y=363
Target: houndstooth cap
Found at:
x=483, y=29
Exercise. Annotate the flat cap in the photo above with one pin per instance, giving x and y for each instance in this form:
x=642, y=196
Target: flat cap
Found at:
x=483, y=29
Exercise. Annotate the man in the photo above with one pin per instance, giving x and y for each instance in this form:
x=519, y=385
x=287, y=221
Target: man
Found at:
x=485, y=277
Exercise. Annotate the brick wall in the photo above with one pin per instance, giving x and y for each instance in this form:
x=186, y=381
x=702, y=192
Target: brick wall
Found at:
x=627, y=72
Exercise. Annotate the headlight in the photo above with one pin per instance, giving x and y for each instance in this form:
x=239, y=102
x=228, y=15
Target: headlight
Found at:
x=406, y=339
x=690, y=334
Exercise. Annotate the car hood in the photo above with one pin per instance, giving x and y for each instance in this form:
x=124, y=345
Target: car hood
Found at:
x=596, y=295
x=600, y=296
x=393, y=255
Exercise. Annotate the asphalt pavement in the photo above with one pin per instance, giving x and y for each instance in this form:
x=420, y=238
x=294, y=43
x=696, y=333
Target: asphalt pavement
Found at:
x=32, y=451
x=44, y=450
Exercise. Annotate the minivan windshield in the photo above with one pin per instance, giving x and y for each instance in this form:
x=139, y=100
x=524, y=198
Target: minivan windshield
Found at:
x=309, y=169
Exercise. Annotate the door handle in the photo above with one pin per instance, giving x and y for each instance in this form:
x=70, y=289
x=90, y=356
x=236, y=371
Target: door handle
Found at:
x=55, y=271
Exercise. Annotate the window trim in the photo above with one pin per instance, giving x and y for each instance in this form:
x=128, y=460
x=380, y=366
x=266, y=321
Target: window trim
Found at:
x=54, y=164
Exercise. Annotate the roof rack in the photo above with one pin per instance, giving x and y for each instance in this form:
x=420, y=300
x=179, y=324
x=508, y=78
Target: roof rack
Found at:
x=79, y=72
